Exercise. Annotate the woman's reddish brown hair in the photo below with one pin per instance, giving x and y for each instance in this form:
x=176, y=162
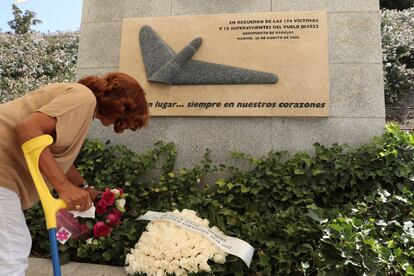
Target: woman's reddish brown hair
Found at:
x=119, y=97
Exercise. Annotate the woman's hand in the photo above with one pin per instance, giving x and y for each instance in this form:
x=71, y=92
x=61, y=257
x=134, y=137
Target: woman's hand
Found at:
x=93, y=193
x=75, y=197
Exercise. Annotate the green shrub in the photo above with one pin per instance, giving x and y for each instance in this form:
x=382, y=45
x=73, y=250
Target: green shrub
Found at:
x=374, y=236
x=398, y=53
x=282, y=206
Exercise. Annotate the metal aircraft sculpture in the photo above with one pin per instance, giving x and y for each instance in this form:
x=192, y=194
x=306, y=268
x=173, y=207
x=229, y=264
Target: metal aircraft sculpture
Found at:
x=163, y=65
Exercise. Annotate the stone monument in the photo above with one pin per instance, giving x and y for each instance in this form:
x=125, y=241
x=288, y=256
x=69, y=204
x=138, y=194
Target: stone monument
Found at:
x=356, y=90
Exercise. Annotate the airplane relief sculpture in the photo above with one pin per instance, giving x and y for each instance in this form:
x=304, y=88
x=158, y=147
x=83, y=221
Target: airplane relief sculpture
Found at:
x=163, y=65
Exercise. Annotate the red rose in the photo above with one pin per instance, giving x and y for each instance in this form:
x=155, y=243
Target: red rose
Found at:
x=100, y=207
x=116, y=212
x=108, y=198
x=100, y=229
x=113, y=219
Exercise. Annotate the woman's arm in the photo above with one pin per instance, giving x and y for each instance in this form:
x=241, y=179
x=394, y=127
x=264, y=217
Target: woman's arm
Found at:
x=75, y=177
x=37, y=124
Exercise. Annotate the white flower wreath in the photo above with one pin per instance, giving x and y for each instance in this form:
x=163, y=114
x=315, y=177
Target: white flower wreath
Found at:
x=166, y=248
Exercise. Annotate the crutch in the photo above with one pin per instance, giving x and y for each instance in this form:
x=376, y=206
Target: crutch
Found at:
x=32, y=150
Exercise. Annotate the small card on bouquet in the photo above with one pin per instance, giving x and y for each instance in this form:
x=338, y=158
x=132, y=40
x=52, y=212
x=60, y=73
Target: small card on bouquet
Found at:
x=63, y=235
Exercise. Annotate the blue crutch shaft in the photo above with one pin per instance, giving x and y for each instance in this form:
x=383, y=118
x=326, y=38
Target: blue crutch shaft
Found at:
x=54, y=252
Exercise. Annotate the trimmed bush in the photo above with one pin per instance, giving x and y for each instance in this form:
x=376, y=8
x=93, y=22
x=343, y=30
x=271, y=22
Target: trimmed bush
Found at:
x=398, y=53
x=32, y=60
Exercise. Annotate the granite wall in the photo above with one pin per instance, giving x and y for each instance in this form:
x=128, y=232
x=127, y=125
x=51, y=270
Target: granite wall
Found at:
x=356, y=79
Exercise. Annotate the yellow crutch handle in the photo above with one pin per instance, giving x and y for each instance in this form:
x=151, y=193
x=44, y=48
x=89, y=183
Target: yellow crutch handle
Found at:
x=32, y=150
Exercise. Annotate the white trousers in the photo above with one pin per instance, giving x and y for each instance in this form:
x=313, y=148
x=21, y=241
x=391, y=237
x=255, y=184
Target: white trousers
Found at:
x=15, y=239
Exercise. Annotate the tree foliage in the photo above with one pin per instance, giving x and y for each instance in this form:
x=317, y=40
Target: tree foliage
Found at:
x=22, y=22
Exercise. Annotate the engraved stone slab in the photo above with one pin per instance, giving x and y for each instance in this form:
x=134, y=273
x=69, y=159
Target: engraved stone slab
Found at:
x=248, y=64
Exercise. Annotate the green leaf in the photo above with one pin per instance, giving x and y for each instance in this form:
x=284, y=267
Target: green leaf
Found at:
x=317, y=171
x=336, y=227
x=314, y=215
x=264, y=260
x=89, y=224
x=408, y=268
x=369, y=241
x=299, y=171
x=221, y=183
x=244, y=189
x=107, y=255
x=230, y=186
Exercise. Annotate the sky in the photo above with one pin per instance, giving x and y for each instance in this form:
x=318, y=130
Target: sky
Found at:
x=57, y=15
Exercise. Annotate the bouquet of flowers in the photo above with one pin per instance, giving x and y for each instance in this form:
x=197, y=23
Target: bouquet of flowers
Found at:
x=110, y=206
x=109, y=209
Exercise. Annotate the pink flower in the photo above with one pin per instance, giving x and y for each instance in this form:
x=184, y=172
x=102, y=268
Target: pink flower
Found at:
x=113, y=219
x=108, y=198
x=100, y=229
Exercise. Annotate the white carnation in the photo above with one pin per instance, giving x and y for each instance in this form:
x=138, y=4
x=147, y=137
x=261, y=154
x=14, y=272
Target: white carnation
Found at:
x=220, y=258
x=120, y=202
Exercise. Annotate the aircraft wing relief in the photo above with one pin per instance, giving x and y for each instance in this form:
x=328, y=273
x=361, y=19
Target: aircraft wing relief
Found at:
x=163, y=65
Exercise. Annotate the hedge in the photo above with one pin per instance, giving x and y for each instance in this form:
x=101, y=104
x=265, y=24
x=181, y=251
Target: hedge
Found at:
x=303, y=213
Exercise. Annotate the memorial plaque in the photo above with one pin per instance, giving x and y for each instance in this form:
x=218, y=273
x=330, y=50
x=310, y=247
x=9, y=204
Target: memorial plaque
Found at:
x=251, y=64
